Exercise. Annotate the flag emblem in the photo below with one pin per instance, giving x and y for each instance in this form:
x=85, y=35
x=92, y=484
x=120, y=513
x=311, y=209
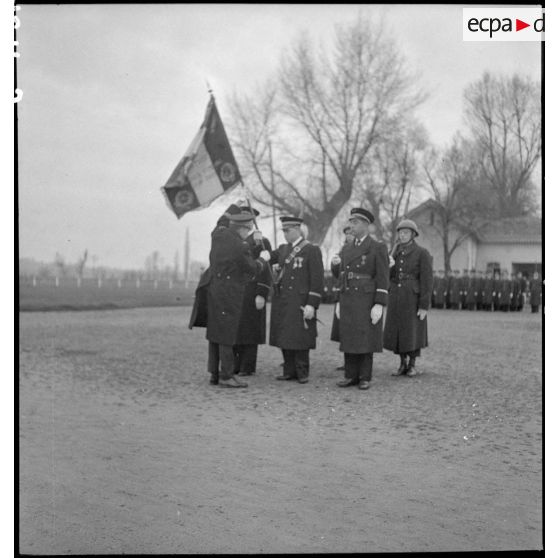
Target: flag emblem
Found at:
x=207, y=169
x=227, y=172
x=184, y=199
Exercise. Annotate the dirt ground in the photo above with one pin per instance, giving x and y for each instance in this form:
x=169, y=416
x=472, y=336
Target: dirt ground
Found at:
x=126, y=448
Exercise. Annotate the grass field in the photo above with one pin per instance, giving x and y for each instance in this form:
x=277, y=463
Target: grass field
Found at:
x=126, y=448
x=110, y=294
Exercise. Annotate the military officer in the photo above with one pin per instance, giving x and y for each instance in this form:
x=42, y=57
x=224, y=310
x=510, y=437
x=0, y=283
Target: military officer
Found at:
x=410, y=289
x=349, y=241
x=497, y=290
x=471, y=293
x=439, y=290
x=505, y=291
x=296, y=297
x=363, y=266
x=251, y=330
x=535, y=290
x=454, y=287
x=464, y=289
x=232, y=267
x=479, y=289
x=522, y=281
x=488, y=291
x=198, y=318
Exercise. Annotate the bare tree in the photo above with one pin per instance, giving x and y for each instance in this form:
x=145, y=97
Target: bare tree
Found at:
x=504, y=117
x=324, y=113
x=60, y=265
x=456, y=202
x=80, y=265
x=390, y=180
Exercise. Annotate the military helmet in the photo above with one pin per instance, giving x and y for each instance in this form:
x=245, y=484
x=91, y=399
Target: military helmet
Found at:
x=408, y=224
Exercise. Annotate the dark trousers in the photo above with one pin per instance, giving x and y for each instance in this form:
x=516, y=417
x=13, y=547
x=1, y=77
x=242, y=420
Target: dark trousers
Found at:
x=358, y=366
x=296, y=363
x=505, y=307
x=245, y=357
x=226, y=356
x=534, y=308
x=213, y=359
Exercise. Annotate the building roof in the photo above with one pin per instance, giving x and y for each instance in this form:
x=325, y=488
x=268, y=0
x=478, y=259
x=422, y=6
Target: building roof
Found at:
x=512, y=230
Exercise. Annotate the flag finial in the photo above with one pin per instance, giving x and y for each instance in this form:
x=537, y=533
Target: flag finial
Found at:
x=209, y=89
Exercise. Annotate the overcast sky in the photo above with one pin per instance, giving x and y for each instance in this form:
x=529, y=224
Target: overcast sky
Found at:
x=113, y=95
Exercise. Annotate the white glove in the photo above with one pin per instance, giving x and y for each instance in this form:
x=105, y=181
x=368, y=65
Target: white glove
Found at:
x=421, y=314
x=257, y=235
x=336, y=260
x=308, y=312
x=376, y=313
x=338, y=310
x=260, y=302
x=391, y=261
x=265, y=256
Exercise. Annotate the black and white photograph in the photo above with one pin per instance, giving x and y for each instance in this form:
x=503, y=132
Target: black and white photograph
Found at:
x=280, y=278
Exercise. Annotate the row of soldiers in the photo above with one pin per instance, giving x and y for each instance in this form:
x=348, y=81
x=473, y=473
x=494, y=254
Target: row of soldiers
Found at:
x=489, y=291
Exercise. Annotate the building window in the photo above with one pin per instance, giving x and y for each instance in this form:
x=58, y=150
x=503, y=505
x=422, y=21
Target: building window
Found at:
x=492, y=267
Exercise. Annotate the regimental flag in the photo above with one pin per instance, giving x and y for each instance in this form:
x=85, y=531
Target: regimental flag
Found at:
x=207, y=169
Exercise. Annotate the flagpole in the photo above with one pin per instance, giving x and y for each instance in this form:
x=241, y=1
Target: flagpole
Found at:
x=272, y=194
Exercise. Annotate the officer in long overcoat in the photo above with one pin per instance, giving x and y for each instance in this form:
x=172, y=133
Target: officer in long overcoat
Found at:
x=406, y=330
x=454, y=288
x=439, y=289
x=338, y=282
x=232, y=267
x=198, y=317
x=472, y=288
x=488, y=291
x=497, y=290
x=506, y=293
x=364, y=268
x=297, y=294
x=522, y=290
x=535, y=290
x=464, y=289
x=252, y=325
